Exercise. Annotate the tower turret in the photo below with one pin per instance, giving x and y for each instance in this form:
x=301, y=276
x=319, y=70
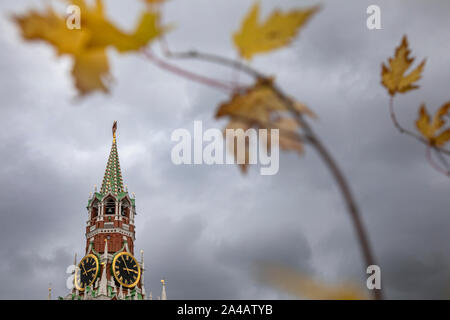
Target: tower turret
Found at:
x=112, y=210
x=109, y=269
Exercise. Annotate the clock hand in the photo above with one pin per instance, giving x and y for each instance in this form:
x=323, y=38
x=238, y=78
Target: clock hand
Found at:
x=131, y=270
x=82, y=264
x=126, y=267
x=90, y=269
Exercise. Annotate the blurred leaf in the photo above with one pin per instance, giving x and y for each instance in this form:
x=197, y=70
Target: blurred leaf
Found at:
x=430, y=129
x=235, y=124
x=104, y=33
x=154, y=2
x=256, y=103
x=51, y=27
x=91, y=71
x=87, y=45
x=287, y=142
x=260, y=107
x=303, y=286
x=276, y=32
x=393, y=75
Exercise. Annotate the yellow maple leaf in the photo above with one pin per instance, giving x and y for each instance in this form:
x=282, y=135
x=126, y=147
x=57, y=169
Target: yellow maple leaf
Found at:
x=87, y=45
x=104, y=33
x=154, y=2
x=431, y=129
x=287, y=139
x=260, y=107
x=304, y=286
x=393, y=75
x=91, y=71
x=257, y=103
x=277, y=31
x=243, y=158
x=51, y=27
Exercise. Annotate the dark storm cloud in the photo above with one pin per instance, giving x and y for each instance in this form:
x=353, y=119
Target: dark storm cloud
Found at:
x=203, y=228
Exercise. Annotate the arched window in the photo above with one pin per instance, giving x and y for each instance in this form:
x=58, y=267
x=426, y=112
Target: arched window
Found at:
x=94, y=210
x=110, y=206
x=125, y=209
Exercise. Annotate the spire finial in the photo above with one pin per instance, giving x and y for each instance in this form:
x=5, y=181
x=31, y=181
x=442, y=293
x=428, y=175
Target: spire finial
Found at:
x=112, y=180
x=49, y=291
x=163, y=290
x=114, y=129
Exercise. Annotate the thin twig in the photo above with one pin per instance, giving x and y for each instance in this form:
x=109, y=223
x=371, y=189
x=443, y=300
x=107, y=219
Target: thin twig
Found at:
x=434, y=164
x=442, y=159
x=188, y=74
x=208, y=57
x=408, y=132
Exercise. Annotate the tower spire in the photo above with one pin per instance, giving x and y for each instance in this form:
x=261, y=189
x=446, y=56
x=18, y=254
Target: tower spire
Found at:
x=109, y=263
x=163, y=290
x=49, y=291
x=112, y=180
x=114, y=129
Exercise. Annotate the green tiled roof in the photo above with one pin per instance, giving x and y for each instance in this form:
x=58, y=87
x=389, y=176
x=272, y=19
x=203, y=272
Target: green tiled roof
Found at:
x=112, y=181
x=98, y=196
x=122, y=195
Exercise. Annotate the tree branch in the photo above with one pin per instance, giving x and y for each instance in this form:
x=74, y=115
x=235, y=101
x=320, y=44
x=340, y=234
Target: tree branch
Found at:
x=208, y=57
x=309, y=136
x=442, y=159
x=434, y=164
x=188, y=74
x=410, y=133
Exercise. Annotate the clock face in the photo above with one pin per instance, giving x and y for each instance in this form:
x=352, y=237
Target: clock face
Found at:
x=86, y=272
x=126, y=269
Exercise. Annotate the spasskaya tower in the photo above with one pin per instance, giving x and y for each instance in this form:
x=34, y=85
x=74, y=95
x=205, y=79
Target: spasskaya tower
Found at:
x=109, y=269
x=112, y=210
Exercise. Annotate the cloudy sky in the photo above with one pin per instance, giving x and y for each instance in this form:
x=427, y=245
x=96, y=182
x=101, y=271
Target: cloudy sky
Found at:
x=203, y=227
